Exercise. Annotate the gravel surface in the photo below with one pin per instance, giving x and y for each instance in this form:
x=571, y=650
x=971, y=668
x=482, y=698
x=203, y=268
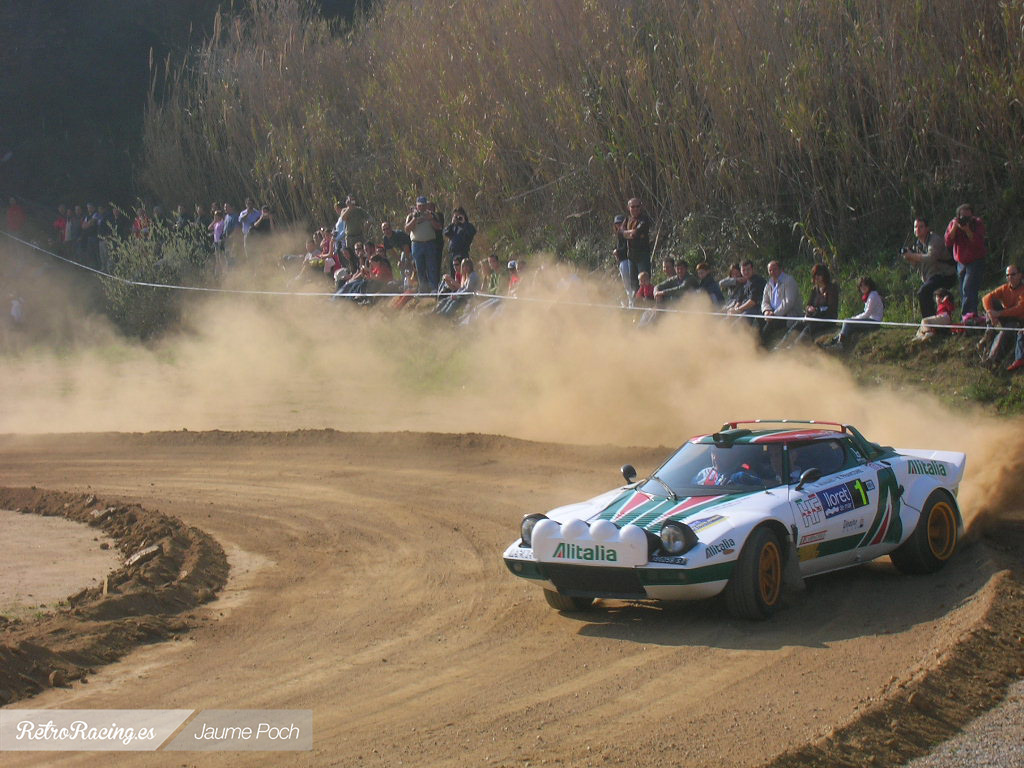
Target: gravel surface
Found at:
x=994, y=740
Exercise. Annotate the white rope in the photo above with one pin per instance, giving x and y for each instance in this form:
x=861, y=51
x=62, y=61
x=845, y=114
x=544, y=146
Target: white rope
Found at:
x=523, y=299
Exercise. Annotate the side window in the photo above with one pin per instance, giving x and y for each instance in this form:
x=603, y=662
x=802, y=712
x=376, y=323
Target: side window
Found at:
x=855, y=456
x=827, y=456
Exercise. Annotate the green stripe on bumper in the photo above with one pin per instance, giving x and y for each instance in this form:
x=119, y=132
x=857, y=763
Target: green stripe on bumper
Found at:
x=654, y=577
x=669, y=576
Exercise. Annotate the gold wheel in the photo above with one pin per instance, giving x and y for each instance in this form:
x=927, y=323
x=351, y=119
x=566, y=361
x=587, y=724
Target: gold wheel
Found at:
x=770, y=573
x=942, y=531
x=934, y=539
x=755, y=589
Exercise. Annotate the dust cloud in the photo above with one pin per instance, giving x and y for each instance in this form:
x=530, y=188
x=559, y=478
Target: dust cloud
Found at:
x=557, y=365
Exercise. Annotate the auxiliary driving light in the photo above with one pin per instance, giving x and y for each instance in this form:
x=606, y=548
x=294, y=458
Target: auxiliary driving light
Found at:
x=526, y=529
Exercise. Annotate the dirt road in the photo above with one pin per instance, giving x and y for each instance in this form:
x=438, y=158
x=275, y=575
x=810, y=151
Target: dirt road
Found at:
x=367, y=585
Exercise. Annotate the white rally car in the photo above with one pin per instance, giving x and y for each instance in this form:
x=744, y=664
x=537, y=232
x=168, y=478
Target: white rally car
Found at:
x=743, y=511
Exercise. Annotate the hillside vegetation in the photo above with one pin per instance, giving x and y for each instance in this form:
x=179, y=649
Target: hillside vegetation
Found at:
x=749, y=126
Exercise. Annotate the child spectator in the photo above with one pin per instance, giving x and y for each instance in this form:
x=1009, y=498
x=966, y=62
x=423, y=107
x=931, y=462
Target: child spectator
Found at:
x=645, y=291
x=327, y=242
x=141, y=224
x=943, y=316
x=513, y=277
x=60, y=224
x=217, y=228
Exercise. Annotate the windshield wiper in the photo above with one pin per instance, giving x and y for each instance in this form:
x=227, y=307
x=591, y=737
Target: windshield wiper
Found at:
x=667, y=487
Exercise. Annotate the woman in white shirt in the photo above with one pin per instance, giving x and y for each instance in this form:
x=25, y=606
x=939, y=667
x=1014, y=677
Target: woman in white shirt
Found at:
x=871, y=315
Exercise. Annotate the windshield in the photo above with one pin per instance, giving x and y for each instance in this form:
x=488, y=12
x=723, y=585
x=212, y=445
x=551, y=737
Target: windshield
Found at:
x=705, y=469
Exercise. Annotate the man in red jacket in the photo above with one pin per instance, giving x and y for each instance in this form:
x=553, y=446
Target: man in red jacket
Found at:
x=965, y=235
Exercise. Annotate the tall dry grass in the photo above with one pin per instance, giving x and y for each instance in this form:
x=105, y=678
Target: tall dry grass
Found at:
x=837, y=118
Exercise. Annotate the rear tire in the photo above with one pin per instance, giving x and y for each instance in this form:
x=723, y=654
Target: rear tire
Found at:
x=934, y=540
x=562, y=602
x=755, y=589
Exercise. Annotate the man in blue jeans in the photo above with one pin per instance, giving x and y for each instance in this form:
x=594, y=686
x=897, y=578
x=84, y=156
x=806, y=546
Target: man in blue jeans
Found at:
x=965, y=235
x=421, y=225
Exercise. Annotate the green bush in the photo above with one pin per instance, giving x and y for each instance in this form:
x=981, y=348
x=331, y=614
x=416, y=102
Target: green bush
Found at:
x=166, y=257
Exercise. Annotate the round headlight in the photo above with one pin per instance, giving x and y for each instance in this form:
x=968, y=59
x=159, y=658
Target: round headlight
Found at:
x=526, y=528
x=677, y=538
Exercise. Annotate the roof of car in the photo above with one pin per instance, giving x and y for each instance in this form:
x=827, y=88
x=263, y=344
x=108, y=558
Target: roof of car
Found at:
x=746, y=436
x=732, y=433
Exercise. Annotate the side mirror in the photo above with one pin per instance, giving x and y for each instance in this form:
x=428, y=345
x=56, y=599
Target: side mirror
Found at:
x=628, y=472
x=808, y=476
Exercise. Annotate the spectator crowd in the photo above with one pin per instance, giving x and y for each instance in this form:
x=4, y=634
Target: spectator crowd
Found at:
x=367, y=261
x=773, y=308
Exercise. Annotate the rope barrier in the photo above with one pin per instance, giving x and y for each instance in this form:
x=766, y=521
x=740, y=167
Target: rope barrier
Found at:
x=522, y=299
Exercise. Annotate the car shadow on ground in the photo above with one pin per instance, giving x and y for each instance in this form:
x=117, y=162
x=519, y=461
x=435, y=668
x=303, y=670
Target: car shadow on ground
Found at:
x=872, y=599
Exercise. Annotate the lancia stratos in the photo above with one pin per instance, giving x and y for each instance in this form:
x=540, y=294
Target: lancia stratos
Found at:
x=744, y=512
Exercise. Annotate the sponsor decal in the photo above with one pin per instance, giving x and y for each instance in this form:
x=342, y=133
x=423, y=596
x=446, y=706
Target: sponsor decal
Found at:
x=724, y=547
x=521, y=553
x=704, y=522
x=809, y=552
x=811, y=511
x=810, y=538
x=598, y=552
x=840, y=499
x=887, y=525
x=926, y=467
x=849, y=525
x=847, y=474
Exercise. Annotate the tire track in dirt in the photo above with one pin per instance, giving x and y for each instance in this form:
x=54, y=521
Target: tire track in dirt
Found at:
x=384, y=606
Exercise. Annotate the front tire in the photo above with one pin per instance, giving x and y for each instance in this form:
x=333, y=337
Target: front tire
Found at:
x=562, y=602
x=934, y=540
x=755, y=589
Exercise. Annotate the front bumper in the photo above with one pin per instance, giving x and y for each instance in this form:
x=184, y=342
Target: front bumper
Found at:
x=665, y=578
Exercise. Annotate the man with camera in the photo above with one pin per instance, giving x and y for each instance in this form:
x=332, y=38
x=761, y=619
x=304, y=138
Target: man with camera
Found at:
x=355, y=219
x=938, y=270
x=422, y=227
x=965, y=235
x=460, y=234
